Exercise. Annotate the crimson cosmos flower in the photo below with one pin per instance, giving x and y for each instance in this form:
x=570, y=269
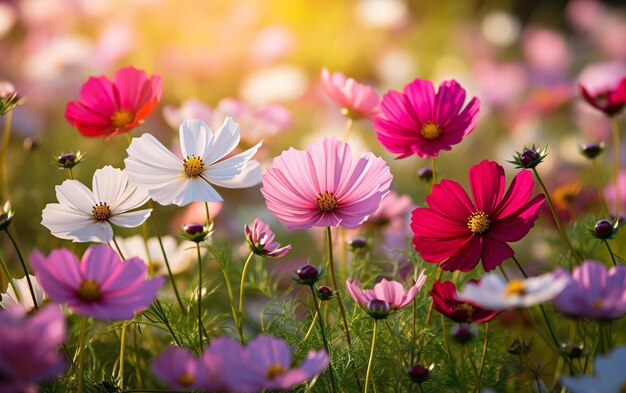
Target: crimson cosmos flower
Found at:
x=458, y=233
x=446, y=301
x=611, y=101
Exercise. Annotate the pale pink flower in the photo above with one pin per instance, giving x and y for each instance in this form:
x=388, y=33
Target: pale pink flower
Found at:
x=357, y=100
x=391, y=292
x=261, y=240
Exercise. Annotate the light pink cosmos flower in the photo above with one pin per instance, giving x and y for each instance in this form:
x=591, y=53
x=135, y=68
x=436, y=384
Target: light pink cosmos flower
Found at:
x=420, y=121
x=266, y=364
x=178, y=368
x=261, y=240
x=108, y=108
x=593, y=291
x=29, y=353
x=391, y=292
x=357, y=100
x=101, y=285
x=323, y=186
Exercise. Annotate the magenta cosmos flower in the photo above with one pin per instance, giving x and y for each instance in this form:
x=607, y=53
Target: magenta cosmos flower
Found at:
x=29, y=353
x=593, y=291
x=261, y=240
x=446, y=301
x=178, y=368
x=356, y=100
x=420, y=121
x=324, y=186
x=457, y=232
x=391, y=292
x=608, y=99
x=266, y=364
x=108, y=108
x=101, y=285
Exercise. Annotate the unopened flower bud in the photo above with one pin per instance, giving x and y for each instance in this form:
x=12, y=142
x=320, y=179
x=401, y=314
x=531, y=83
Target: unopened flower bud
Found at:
x=195, y=232
x=463, y=333
x=604, y=229
x=425, y=173
x=378, y=309
x=357, y=243
x=69, y=160
x=308, y=275
x=528, y=157
x=591, y=150
x=325, y=293
x=418, y=373
x=6, y=216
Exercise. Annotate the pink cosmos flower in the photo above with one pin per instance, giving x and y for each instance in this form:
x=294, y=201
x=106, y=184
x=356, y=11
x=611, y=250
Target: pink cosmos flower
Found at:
x=266, y=364
x=420, y=121
x=29, y=353
x=178, y=368
x=357, y=100
x=457, y=232
x=101, y=285
x=108, y=108
x=391, y=292
x=323, y=186
x=261, y=240
x=593, y=291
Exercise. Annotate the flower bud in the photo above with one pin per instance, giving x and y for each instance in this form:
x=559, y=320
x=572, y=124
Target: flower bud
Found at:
x=378, y=309
x=195, y=232
x=573, y=351
x=357, y=243
x=529, y=157
x=308, y=275
x=325, y=293
x=463, y=333
x=425, y=173
x=418, y=373
x=6, y=216
x=592, y=150
x=604, y=229
x=520, y=348
x=69, y=160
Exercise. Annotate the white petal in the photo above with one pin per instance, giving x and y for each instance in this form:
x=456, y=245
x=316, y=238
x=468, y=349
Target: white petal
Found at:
x=195, y=137
x=76, y=195
x=113, y=187
x=148, y=150
x=96, y=232
x=248, y=177
x=197, y=190
x=225, y=140
x=131, y=219
x=231, y=167
x=66, y=223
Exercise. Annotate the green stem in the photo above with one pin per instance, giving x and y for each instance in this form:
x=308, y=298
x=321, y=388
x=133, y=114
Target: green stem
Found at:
x=199, y=297
x=434, y=165
x=371, y=361
x=432, y=302
x=484, y=355
x=122, y=347
x=308, y=332
x=447, y=344
x=5, y=269
x=119, y=250
x=331, y=264
x=465, y=353
x=393, y=337
x=608, y=247
x=616, y=160
x=208, y=216
x=519, y=266
x=324, y=339
x=167, y=323
x=231, y=298
x=347, y=129
x=413, y=329
x=5, y=146
x=557, y=220
x=71, y=173
x=19, y=255
x=241, y=290
x=81, y=354
x=167, y=263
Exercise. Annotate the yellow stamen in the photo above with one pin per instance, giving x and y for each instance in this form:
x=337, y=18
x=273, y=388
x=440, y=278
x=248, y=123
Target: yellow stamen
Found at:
x=186, y=379
x=101, y=212
x=274, y=371
x=430, y=130
x=327, y=201
x=193, y=165
x=121, y=118
x=468, y=308
x=515, y=287
x=478, y=222
x=89, y=290
x=598, y=304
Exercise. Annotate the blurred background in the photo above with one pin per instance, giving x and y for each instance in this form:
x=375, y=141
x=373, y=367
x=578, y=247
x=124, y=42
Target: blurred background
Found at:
x=523, y=59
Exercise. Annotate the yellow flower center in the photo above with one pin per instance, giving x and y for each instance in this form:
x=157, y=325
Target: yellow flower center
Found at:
x=274, y=371
x=101, y=212
x=478, y=222
x=186, y=379
x=515, y=287
x=327, y=201
x=466, y=307
x=121, y=118
x=598, y=304
x=430, y=130
x=89, y=290
x=193, y=165
x=565, y=195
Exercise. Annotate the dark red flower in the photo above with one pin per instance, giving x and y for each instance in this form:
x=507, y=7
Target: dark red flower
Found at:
x=446, y=302
x=610, y=101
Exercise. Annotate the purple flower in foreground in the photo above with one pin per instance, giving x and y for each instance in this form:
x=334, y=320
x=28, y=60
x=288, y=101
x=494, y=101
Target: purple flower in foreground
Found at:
x=261, y=240
x=178, y=368
x=101, y=285
x=594, y=292
x=29, y=352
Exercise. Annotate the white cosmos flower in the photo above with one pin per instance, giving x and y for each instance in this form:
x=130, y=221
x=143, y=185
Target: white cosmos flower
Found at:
x=23, y=298
x=179, y=256
x=609, y=375
x=85, y=216
x=493, y=292
x=172, y=180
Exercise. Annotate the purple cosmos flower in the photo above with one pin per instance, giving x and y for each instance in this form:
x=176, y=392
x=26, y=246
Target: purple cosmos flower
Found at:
x=261, y=240
x=391, y=292
x=178, y=368
x=593, y=291
x=29, y=352
x=100, y=285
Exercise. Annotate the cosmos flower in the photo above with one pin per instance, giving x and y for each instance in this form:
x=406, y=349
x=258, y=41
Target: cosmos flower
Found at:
x=172, y=180
x=458, y=233
x=108, y=108
x=493, y=292
x=86, y=216
x=608, y=99
x=323, y=186
x=29, y=353
x=357, y=100
x=23, y=297
x=609, y=375
x=178, y=368
x=446, y=301
x=391, y=292
x=593, y=291
x=101, y=285
x=261, y=240
x=420, y=121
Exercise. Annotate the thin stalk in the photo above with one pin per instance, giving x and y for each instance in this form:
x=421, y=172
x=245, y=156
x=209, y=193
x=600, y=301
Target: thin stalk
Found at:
x=231, y=298
x=347, y=129
x=167, y=323
x=616, y=160
x=81, y=354
x=208, y=216
x=432, y=302
x=19, y=255
x=167, y=263
x=519, y=266
x=199, y=297
x=5, y=146
x=393, y=337
x=413, y=323
x=324, y=339
x=331, y=264
x=5, y=269
x=484, y=355
x=308, y=332
x=557, y=220
x=434, y=180
x=119, y=250
x=447, y=344
x=241, y=289
x=122, y=347
x=371, y=361
x=465, y=353
x=608, y=247
x=71, y=173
